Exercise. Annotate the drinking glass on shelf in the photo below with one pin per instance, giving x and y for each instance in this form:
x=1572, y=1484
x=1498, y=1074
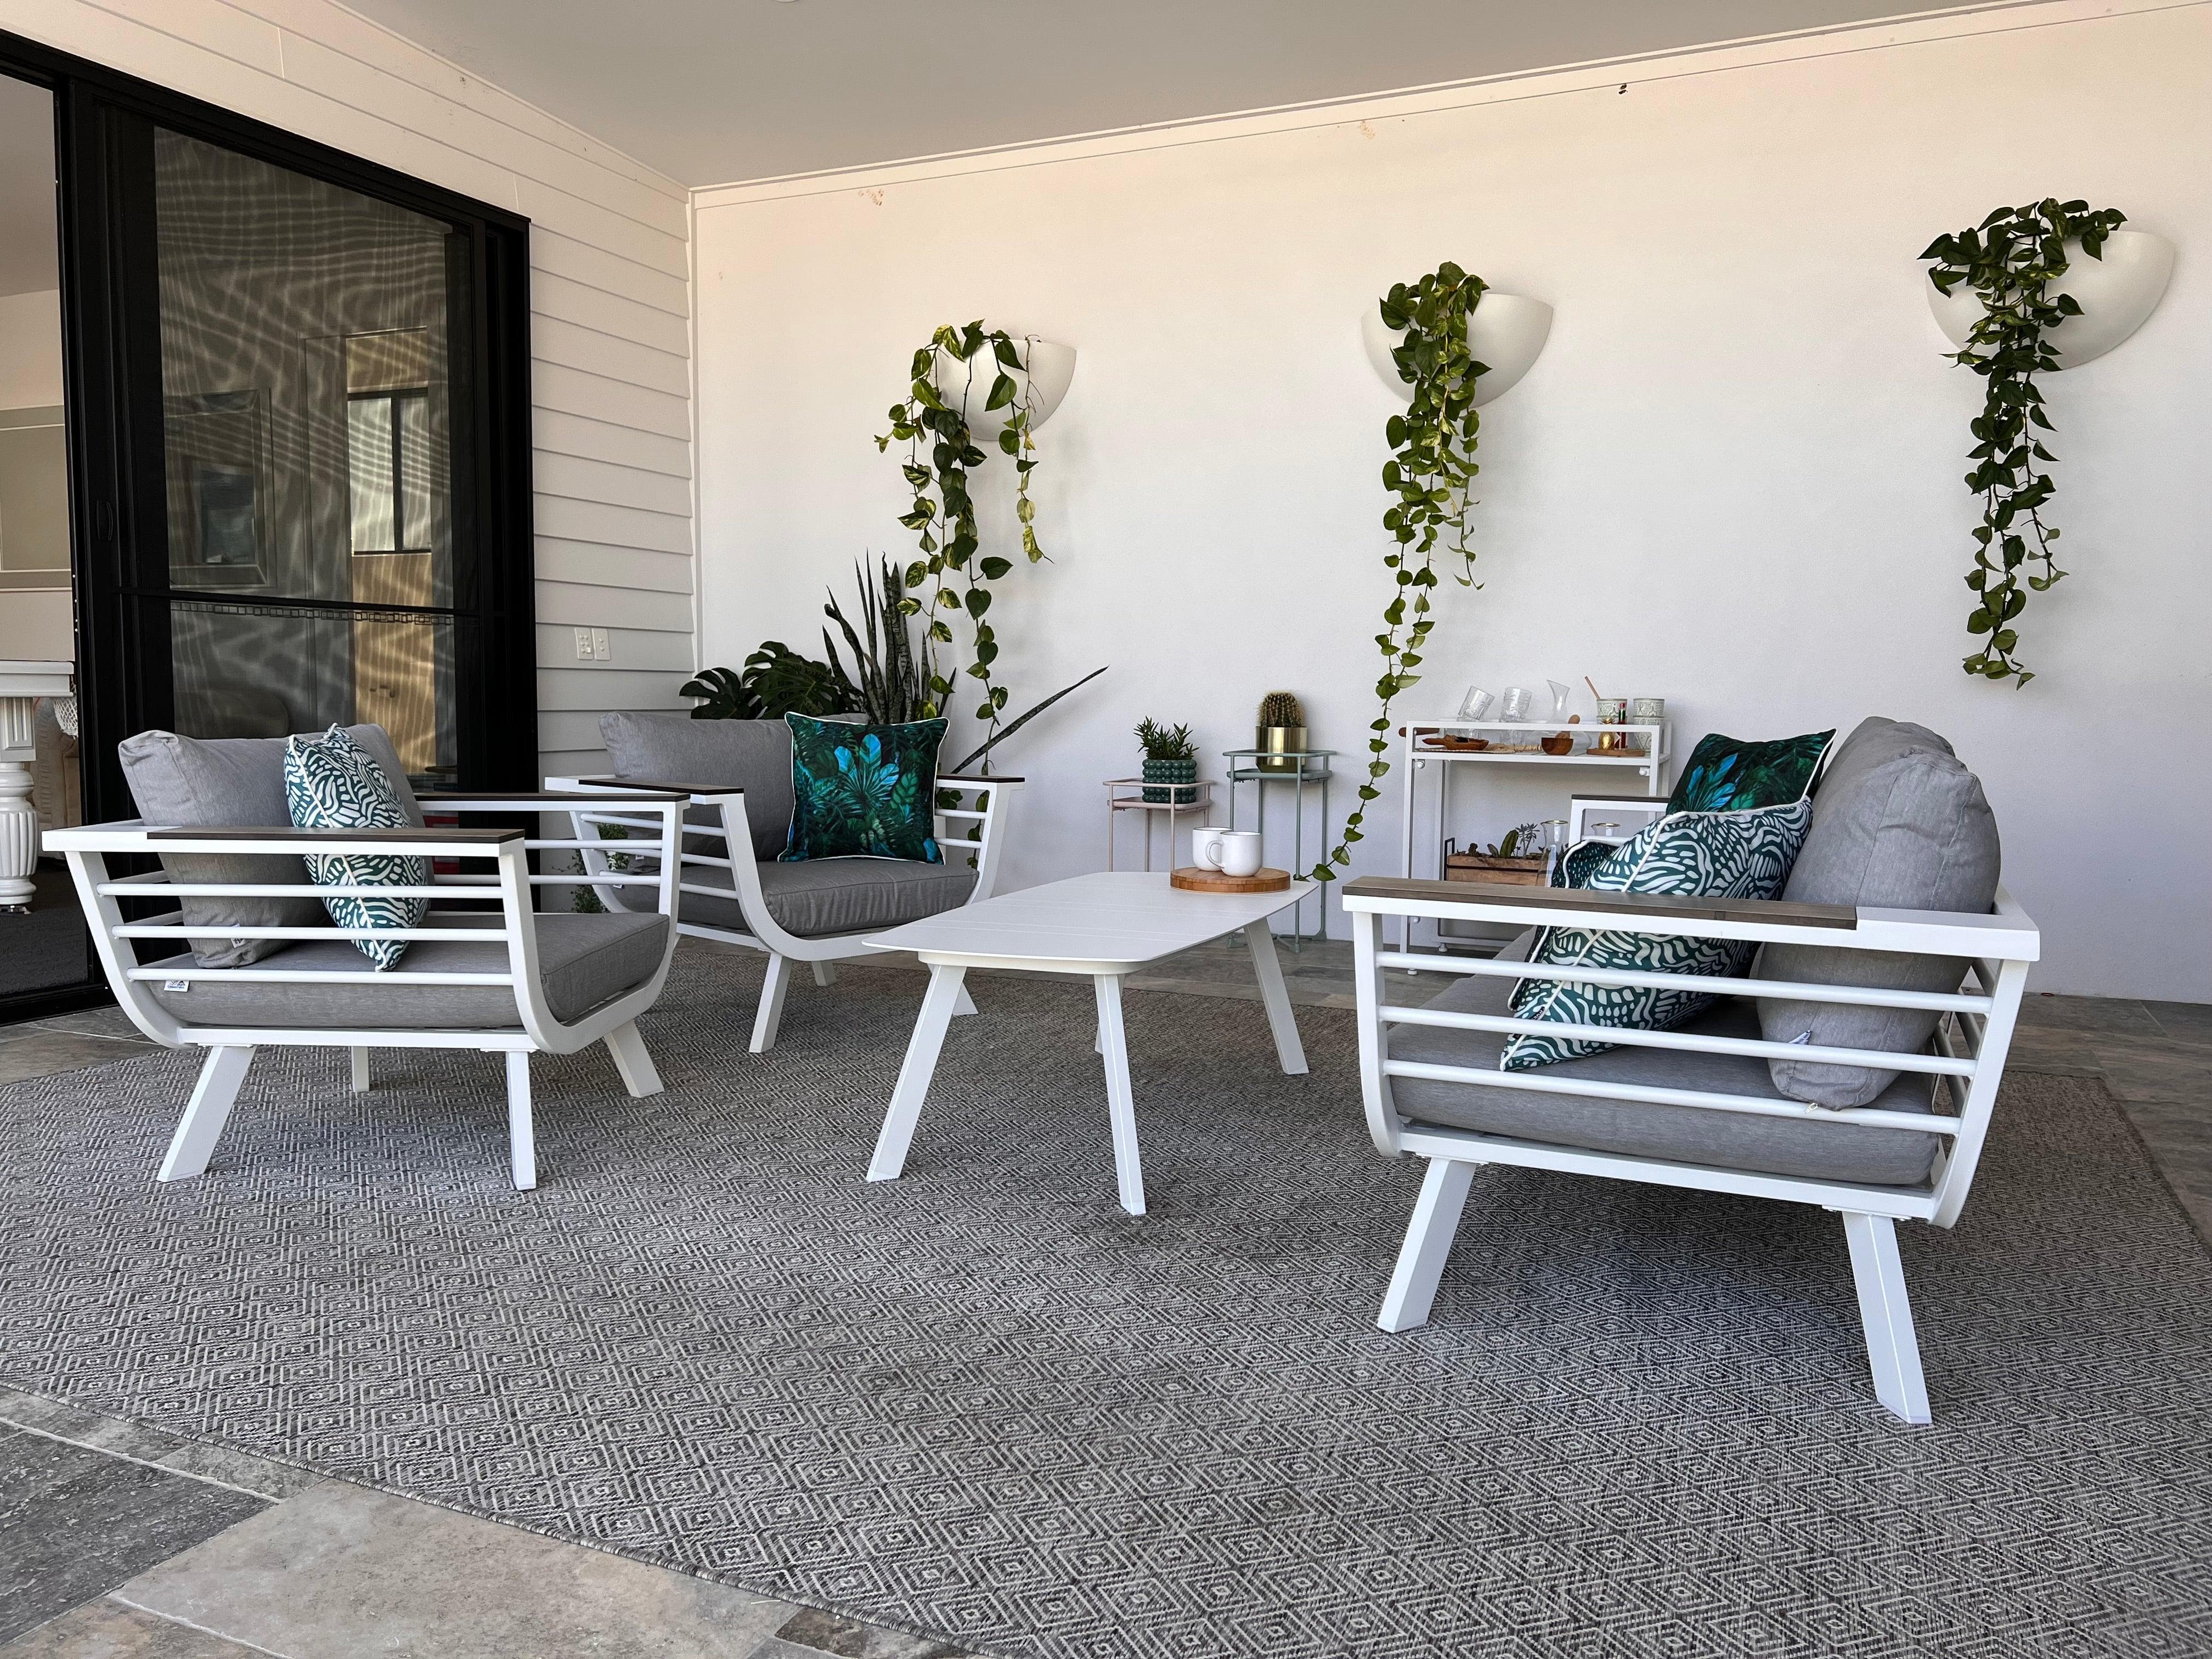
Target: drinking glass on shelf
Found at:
x=1475, y=704
x=1558, y=702
x=1515, y=707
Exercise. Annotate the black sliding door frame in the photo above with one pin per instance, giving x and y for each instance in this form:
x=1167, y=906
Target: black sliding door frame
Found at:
x=113, y=412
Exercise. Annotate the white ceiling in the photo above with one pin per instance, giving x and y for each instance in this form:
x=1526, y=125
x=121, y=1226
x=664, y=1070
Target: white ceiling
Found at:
x=29, y=256
x=714, y=91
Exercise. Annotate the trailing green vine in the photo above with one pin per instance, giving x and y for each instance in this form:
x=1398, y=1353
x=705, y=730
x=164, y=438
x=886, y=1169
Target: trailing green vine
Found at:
x=2009, y=260
x=1429, y=472
x=941, y=453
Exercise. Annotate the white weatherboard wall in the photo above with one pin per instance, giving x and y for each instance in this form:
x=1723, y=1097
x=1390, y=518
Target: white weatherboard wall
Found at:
x=1733, y=479
x=610, y=295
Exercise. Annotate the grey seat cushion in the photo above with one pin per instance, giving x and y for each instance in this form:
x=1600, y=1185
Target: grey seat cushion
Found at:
x=583, y=960
x=820, y=897
x=1681, y=1134
x=200, y=783
x=753, y=756
x=1899, y=823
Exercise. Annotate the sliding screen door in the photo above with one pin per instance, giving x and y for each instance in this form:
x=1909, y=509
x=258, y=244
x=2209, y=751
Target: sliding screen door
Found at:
x=314, y=369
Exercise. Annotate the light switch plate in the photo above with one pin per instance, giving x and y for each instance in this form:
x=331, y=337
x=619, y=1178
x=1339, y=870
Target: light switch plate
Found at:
x=599, y=645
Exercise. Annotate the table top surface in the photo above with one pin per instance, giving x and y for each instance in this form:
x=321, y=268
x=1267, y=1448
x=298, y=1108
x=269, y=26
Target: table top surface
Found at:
x=1103, y=922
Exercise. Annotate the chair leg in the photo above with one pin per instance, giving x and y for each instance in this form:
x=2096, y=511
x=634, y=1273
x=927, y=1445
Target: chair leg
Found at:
x=825, y=973
x=770, y=1012
x=631, y=1060
x=206, y=1113
x=1428, y=1245
x=360, y=1069
x=1886, y=1311
x=521, y=1142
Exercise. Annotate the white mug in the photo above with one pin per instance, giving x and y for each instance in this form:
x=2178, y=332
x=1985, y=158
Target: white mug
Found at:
x=1232, y=852
x=1199, y=848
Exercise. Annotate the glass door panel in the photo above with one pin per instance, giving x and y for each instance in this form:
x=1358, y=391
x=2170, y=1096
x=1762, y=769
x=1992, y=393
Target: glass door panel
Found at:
x=43, y=946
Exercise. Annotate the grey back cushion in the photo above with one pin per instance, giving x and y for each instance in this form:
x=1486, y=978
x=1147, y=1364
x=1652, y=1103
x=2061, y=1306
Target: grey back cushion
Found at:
x=208, y=783
x=753, y=756
x=1899, y=823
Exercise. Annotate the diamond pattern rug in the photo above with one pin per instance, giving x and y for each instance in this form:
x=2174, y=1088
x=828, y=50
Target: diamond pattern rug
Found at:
x=983, y=1404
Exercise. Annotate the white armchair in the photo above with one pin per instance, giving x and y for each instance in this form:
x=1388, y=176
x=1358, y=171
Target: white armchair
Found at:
x=484, y=971
x=1692, y=1106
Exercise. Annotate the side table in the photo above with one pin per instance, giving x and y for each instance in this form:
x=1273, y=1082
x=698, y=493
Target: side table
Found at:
x=1196, y=809
x=1307, y=766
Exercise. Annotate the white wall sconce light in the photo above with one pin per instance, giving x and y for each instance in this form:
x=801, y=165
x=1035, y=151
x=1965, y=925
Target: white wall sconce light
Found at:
x=2116, y=294
x=1051, y=370
x=1506, y=330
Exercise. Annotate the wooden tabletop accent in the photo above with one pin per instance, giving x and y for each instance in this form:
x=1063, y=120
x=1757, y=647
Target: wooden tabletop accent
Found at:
x=995, y=777
x=1783, y=911
x=654, y=787
x=398, y=837
x=560, y=796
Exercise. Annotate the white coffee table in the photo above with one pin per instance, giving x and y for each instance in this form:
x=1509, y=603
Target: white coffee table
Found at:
x=1107, y=926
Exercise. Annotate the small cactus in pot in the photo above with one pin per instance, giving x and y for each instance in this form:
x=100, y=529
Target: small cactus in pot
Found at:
x=1170, y=757
x=1281, y=733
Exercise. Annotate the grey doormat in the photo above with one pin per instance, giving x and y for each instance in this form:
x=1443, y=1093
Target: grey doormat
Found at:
x=982, y=1403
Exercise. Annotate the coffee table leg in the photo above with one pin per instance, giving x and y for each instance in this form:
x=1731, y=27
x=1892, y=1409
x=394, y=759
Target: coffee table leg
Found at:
x=937, y=1006
x=1121, y=1105
x=1280, y=1020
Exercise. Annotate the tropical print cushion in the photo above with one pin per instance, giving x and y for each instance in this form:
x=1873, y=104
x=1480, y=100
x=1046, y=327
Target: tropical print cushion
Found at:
x=1728, y=775
x=1739, y=854
x=863, y=791
x=331, y=782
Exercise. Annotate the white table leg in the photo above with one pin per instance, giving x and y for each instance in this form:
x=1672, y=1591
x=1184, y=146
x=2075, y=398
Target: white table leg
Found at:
x=921, y=1051
x=1121, y=1105
x=1273, y=994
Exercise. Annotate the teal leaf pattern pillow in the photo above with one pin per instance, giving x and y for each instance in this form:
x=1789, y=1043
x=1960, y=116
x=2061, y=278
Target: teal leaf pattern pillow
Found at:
x=331, y=782
x=1728, y=775
x=863, y=791
x=1737, y=854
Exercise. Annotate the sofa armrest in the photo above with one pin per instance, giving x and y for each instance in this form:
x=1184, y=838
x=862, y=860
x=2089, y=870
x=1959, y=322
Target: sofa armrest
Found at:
x=1627, y=906
x=277, y=834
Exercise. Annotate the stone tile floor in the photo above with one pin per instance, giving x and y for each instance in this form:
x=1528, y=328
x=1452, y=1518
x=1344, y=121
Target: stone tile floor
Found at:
x=120, y=1542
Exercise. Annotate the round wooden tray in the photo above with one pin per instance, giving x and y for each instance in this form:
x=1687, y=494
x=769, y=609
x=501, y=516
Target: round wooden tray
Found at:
x=1192, y=878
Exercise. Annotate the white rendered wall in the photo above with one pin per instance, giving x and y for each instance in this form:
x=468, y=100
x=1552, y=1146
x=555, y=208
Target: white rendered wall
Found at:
x=31, y=349
x=610, y=297
x=1733, y=479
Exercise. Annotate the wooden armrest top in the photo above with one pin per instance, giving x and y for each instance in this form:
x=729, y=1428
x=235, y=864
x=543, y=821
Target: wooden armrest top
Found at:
x=1625, y=800
x=280, y=832
x=644, y=785
x=1620, y=904
x=966, y=777
x=560, y=796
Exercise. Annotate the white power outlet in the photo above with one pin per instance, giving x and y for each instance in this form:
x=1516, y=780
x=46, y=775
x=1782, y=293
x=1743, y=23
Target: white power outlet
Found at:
x=599, y=645
x=583, y=645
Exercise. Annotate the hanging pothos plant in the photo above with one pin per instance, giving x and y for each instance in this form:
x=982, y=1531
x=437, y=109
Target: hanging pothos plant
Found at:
x=2010, y=260
x=941, y=453
x=1429, y=472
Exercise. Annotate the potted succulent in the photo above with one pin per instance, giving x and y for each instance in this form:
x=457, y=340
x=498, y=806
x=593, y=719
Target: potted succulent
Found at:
x=1170, y=757
x=1281, y=733
x=1519, y=860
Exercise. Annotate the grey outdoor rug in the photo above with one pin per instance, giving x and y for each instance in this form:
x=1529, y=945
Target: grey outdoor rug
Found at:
x=982, y=1403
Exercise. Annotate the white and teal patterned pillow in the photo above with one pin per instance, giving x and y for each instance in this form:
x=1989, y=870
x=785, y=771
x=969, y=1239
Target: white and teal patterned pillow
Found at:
x=331, y=782
x=1741, y=854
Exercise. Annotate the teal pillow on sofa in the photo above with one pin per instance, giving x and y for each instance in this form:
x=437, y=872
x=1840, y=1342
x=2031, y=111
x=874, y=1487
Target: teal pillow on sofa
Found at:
x=863, y=791
x=1740, y=855
x=331, y=782
x=1726, y=775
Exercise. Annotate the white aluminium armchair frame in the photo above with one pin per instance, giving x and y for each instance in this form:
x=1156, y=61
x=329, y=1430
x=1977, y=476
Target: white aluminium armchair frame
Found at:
x=1973, y=1034
x=987, y=804
x=230, y=1049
